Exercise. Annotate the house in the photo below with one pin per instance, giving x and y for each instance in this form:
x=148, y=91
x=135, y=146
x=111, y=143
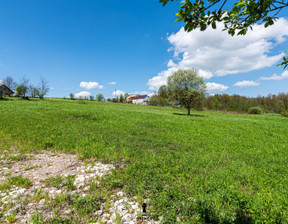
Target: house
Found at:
x=5, y=91
x=140, y=99
x=129, y=98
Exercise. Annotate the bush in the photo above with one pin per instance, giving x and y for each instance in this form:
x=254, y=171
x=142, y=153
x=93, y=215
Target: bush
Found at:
x=284, y=114
x=255, y=110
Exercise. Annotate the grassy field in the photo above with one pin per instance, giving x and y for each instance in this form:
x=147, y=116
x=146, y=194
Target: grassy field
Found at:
x=210, y=167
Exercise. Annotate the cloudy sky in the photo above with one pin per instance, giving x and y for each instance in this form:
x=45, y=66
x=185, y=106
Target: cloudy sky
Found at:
x=112, y=46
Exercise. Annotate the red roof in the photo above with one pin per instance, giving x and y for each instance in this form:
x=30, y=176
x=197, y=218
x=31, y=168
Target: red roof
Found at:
x=138, y=97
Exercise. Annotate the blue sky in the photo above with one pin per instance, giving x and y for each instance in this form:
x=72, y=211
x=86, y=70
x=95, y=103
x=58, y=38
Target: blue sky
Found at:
x=135, y=44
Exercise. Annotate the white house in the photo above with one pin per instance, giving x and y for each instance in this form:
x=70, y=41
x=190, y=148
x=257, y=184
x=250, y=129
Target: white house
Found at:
x=141, y=99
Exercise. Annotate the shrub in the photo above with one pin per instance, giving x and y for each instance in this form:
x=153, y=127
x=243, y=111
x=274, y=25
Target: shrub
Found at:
x=284, y=114
x=255, y=110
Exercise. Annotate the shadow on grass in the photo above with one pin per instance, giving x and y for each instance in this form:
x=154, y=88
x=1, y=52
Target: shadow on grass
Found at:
x=210, y=216
x=191, y=115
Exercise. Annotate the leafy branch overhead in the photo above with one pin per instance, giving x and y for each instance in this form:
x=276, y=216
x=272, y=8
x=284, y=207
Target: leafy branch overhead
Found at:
x=237, y=19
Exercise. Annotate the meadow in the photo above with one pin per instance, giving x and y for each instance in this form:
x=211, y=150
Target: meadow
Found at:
x=210, y=167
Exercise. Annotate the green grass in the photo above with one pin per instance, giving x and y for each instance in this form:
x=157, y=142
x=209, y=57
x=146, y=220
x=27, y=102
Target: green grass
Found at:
x=59, y=182
x=210, y=167
x=18, y=181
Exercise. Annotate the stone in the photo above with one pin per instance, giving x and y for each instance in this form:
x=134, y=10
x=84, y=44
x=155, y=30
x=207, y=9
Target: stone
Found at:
x=126, y=218
x=42, y=201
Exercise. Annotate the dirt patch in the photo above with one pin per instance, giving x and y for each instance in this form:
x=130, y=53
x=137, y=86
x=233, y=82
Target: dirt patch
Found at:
x=57, y=188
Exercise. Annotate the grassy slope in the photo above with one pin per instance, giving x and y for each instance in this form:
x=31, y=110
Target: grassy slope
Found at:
x=214, y=167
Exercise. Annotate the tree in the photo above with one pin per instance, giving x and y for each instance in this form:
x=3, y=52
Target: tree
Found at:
x=114, y=100
x=126, y=95
x=23, y=88
x=43, y=88
x=71, y=96
x=91, y=98
x=100, y=97
x=33, y=91
x=237, y=19
x=187, y=87
x=121, y=99
x=10, y=83
x=161, y=97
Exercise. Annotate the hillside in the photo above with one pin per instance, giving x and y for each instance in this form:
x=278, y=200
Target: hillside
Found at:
x=210, y=167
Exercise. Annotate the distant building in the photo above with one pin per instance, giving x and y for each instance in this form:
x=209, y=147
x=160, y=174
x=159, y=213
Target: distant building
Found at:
x=140, y=99
x=129, y=98
x=5, y=91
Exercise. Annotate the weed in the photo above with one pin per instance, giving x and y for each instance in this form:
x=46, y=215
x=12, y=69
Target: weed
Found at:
x=17, y=181
x=11, y=217
x=56, y=182
x=37, y=218
x=107, y=205
x=69, y=182
x=32, y=167
x=19, y=157
x=118, y=218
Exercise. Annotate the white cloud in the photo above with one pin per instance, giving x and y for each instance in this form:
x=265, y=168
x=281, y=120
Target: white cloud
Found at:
x=284, y=75
x=215, y=87
x=143, y=93
x=215, y=53
x=111, y=83
x=205, y=74
x=118, y=93
x=83, y=94
x=90, y=85
x=161, y=79
x=246, y=83
x=2, y=82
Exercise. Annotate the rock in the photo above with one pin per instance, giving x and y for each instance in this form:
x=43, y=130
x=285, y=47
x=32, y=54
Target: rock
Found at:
x=86, y=188
x=106, y=216
x=126, y=218
x=98, y=213
x=42, y=202
x=120, y=194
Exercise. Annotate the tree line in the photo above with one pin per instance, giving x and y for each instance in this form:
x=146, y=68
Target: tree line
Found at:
x=223, y=102
x=25, y=89
x=100, y=97
x=269, y=104
x=187, y=89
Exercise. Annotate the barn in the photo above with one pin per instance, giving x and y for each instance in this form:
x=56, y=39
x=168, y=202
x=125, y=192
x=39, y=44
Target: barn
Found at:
x=5, y=91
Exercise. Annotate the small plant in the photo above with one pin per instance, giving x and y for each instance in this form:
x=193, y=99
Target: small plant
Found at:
x=48, y=143
x=18, y=157
x=57, y=182
x=38, y=196
x=107, y=205
x=11, y=217
x=284, y=114
x=118, y=218
x=69, y=182
x=255, y=110
x=19, y=181
x=85, y=205
x=37, y=218
x=32, y=167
